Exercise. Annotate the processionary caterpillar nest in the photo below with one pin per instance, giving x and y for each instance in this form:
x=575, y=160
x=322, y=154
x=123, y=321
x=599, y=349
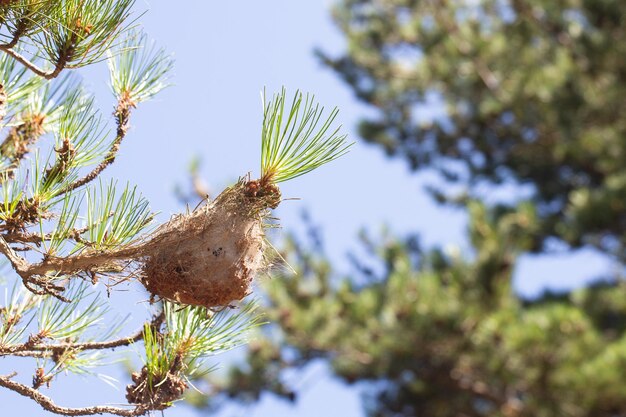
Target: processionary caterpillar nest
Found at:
x=210, y=256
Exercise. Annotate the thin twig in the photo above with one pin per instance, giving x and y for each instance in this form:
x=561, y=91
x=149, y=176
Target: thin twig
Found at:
x=28, y=354
x=82, y=262
x=122, y=113
x=36, y=238
x=19, y=264
x=35, y=274
x=48, y=75
x=65, y=56
x=22, y=267
x=20, y=28
x=35, y=350
x=47, y=404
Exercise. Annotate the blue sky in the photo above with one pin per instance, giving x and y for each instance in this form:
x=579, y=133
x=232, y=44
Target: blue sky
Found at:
x=226, y=53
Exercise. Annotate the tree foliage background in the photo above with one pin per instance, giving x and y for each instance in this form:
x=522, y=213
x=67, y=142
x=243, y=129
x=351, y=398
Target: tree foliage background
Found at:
x=532, y=92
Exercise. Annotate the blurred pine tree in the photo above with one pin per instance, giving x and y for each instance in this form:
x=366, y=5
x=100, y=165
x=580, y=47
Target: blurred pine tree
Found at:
x=533, y=96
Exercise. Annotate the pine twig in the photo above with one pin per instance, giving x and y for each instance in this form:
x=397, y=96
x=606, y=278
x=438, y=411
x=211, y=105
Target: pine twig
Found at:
x=28, y=354
x=48, y=75
x=64, y=58
x=47, y=404
x=122, y=114
x=20, y=28
x=31, y=282
x=28, y=349
x=19, y=264
x=37, y=238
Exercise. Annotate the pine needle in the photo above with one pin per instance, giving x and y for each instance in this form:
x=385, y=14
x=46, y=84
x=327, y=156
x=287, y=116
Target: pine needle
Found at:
x=299, y=140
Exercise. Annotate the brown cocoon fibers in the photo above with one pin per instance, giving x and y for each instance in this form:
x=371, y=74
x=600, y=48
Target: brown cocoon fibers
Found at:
x=210, y=256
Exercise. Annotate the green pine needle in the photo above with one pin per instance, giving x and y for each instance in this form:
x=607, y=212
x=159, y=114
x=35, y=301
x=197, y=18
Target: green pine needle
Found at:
x=17, y=81
x=138, y=70
x=298, y=140
x=91, y=27
x=16, y=314
x=114, y=219
x=58, y=320
x=193, y=334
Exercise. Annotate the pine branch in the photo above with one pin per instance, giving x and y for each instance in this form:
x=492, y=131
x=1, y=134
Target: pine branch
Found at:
x=137, y=74
x=47, y=404
x=23, y=135
x=37, y=238
x=122, y=115
x=48, y=75
x=17, y=34
x=45, y=350
x=70, y=34
x=31, y=281
x=26, y=18
x=83, y=262
x=20, y=28
x=19, y=264
x=29, y=354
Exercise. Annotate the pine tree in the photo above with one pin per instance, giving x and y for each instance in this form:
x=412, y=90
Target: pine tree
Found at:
x=531, y=92
x=67, y=236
